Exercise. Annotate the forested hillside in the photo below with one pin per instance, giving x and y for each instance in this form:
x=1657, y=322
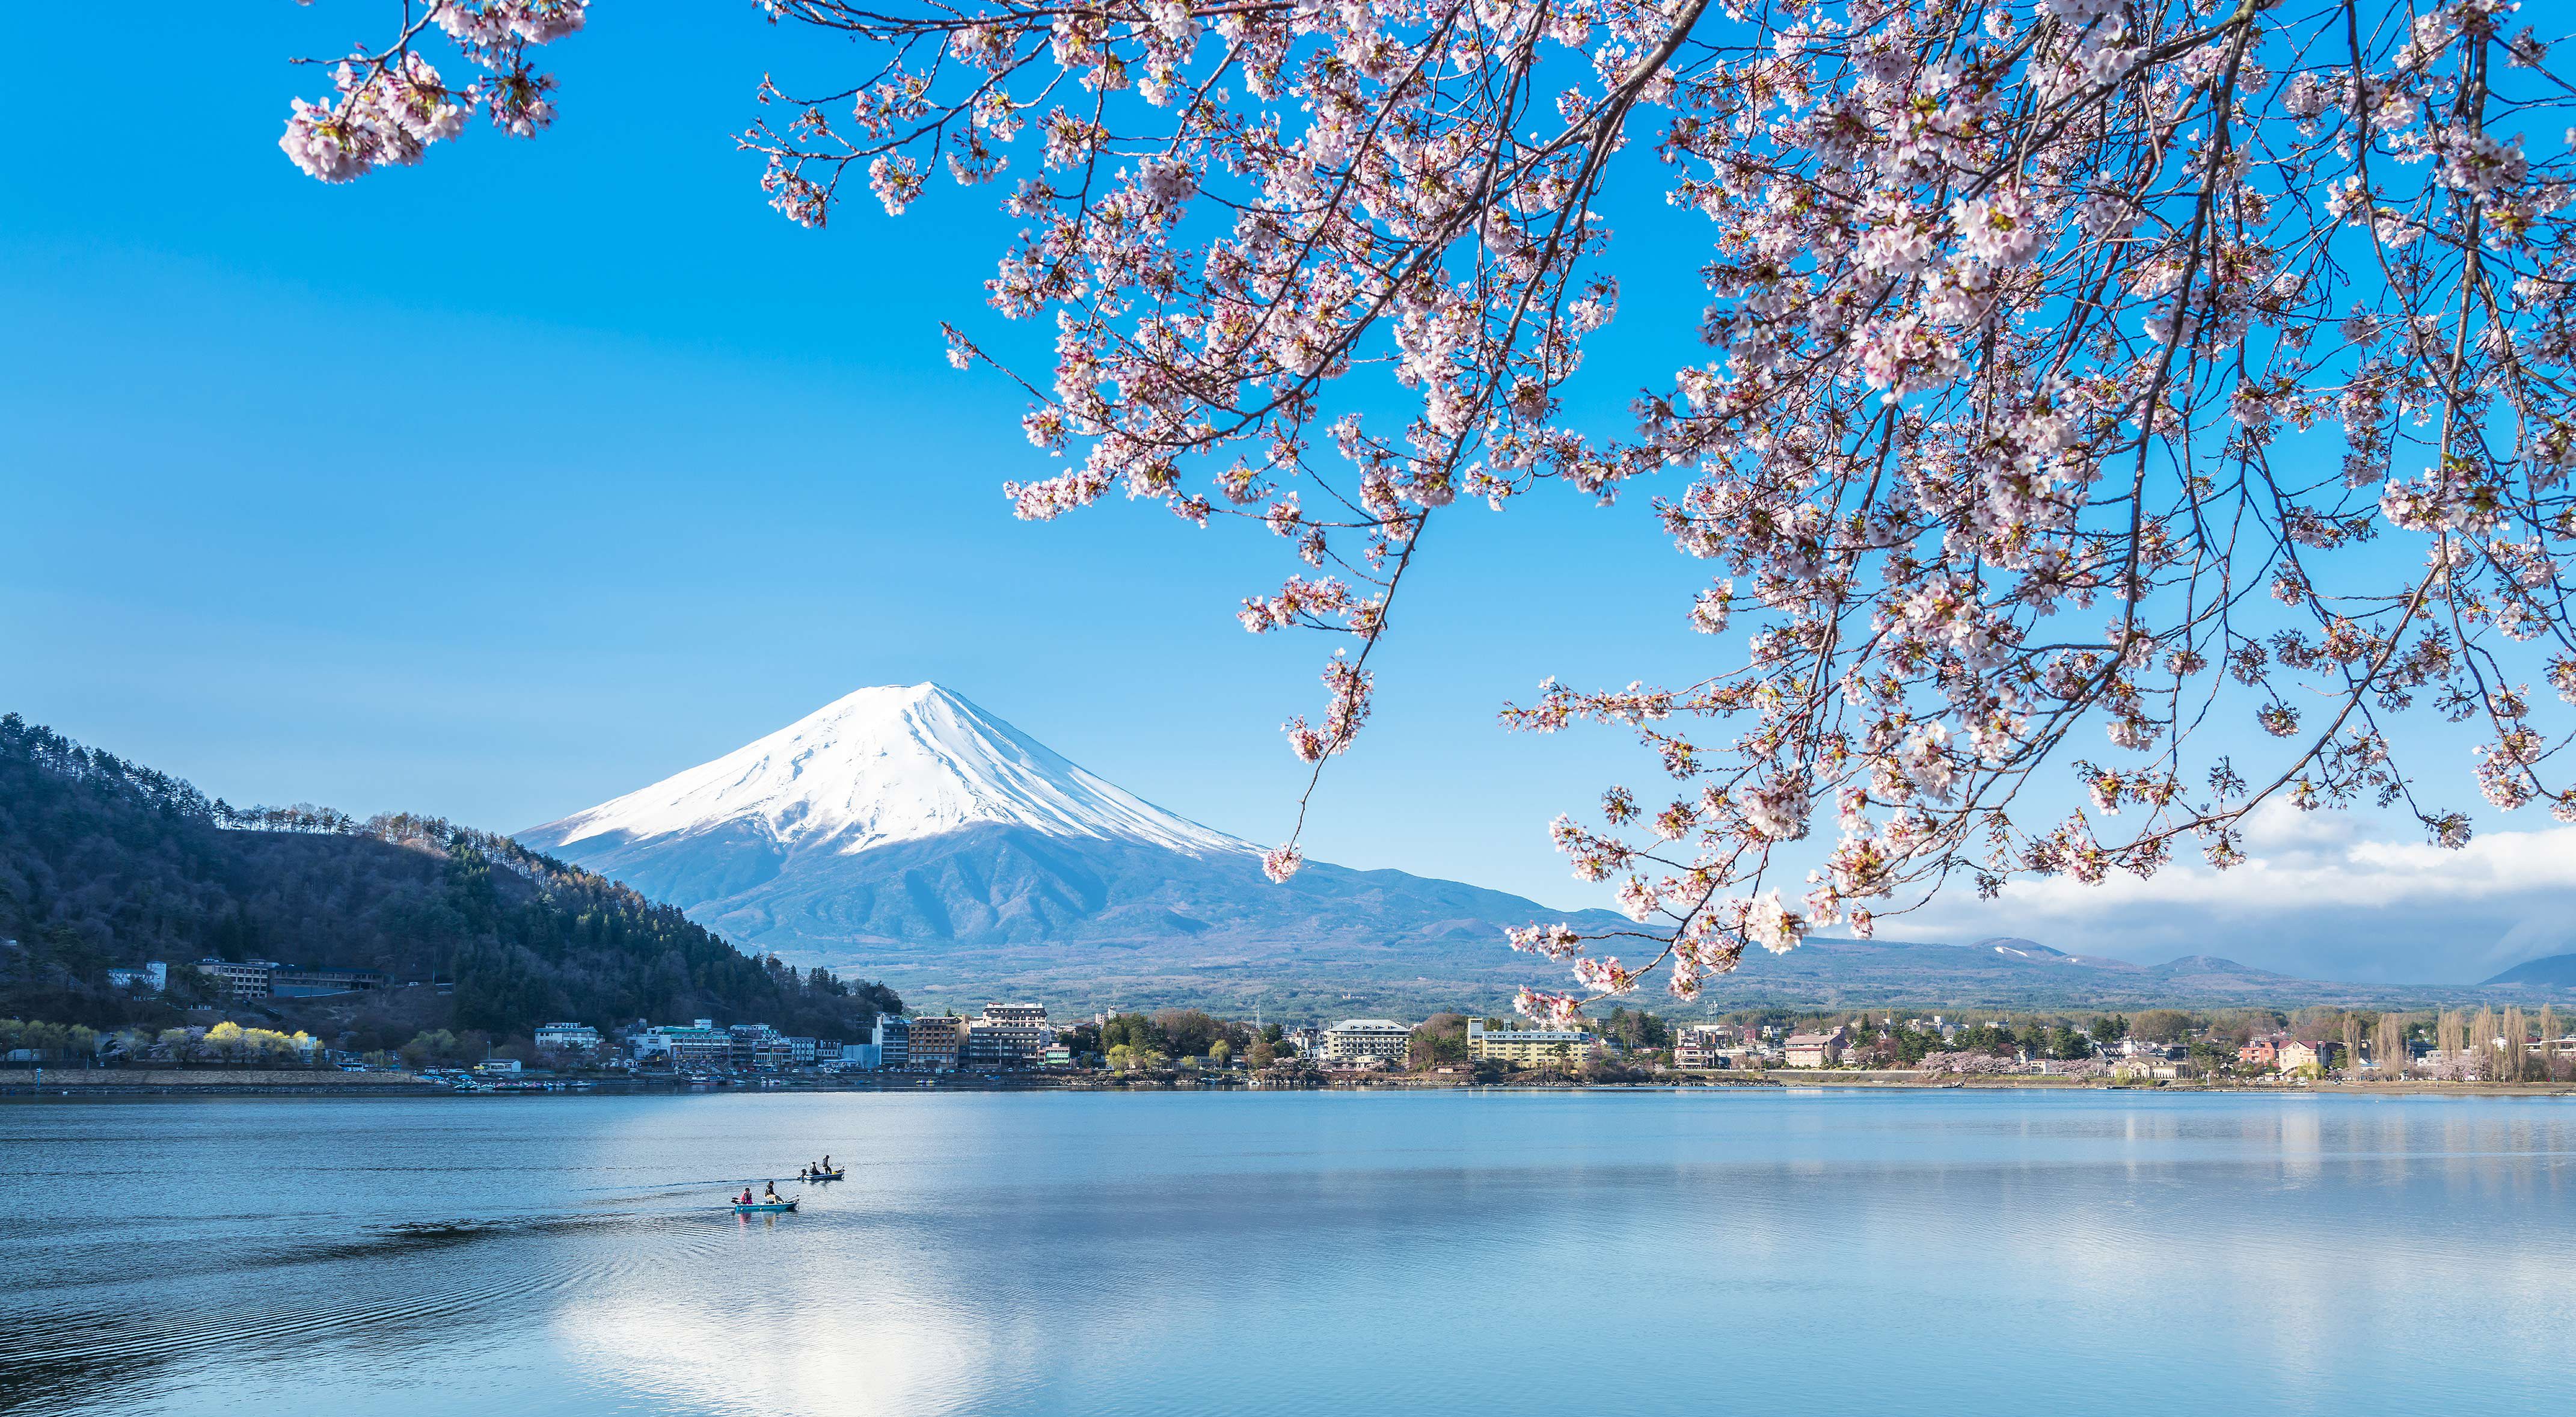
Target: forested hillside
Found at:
x=105, y=862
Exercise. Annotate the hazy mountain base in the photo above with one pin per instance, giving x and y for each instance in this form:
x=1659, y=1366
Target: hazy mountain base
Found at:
x=2017, y=973
x=1822, y=975
x=1083, y=924
x=1354, y=973
x=905, y=833
x=1078, y=920
x=2548, y=972
x=1318, y=982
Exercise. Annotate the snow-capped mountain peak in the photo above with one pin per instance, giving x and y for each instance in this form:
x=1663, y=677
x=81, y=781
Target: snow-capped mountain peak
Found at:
x=885, y=764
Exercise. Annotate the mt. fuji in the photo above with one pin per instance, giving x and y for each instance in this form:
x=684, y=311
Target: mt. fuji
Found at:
x=906, y=833
x=885, y=765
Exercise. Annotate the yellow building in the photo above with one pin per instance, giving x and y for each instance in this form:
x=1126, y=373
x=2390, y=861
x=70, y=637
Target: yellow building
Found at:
x=2306, y=1054
x=1528, y=1047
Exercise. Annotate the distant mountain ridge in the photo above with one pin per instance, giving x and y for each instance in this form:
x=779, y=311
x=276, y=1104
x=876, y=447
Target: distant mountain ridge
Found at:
x=2006, y=971
x=2549, y=971
x=905, y=833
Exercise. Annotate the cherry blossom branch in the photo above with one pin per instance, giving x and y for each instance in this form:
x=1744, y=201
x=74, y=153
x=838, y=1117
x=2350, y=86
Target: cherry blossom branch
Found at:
x=2010, y=307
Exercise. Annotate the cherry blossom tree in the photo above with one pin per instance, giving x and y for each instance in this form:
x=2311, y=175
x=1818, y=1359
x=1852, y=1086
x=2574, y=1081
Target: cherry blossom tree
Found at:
x=2087, y=394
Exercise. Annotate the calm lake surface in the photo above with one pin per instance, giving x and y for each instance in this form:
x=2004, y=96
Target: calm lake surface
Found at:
x=1211, y=1253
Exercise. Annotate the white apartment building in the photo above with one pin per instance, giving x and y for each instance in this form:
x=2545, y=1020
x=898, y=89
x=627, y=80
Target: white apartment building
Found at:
x=1009, y=1036
x=567, y=1037
x=684, y=1046
x=1356, y=1040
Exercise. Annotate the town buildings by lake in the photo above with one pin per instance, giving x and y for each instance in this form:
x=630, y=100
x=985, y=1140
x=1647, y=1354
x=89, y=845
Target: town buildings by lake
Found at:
x=1023, y=1037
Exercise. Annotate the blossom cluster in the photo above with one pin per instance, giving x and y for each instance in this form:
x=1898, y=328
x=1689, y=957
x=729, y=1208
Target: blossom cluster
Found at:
x=380, y=116
x=387, y=108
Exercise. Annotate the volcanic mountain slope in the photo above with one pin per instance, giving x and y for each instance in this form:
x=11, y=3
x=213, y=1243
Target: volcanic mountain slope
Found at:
x=905, y=830
x=2548, y=972
x=908, y=835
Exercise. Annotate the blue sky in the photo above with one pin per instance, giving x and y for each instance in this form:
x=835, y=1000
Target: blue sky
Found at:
x=501, y=486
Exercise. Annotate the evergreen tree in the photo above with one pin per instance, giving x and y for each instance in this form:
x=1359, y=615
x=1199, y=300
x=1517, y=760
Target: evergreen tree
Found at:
x=105, y=862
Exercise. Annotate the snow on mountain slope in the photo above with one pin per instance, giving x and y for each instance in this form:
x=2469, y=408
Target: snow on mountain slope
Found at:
x=907, y=835
x=882, y=765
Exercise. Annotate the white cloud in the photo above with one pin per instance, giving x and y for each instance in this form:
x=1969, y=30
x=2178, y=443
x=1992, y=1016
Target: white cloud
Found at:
x=2317, y=897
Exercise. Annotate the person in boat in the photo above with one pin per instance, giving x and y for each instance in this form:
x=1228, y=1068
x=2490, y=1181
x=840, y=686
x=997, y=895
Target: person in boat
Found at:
x=769, y=1194
x=744, y=1198
x=826, y=1167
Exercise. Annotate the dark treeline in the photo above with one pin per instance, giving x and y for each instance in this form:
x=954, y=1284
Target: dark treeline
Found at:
x=105, y=862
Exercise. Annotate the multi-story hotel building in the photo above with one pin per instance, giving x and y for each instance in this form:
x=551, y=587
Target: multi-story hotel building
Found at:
x=567, y=1038
x=1356, y=1040
x=1814, y=1050
x=893, y=1039
x=1008, y=1036
x=685, y=1046
x=757, y=1045
x=1528, y=1047
x=240, y=979
x=938, y=1043
x=267, y=979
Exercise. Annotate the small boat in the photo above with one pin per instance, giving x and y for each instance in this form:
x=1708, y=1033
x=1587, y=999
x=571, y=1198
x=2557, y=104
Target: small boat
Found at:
x=810, y=1174
x=763, y=1207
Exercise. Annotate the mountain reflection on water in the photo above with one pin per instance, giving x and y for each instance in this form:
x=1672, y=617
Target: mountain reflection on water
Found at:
x=1223, y=1253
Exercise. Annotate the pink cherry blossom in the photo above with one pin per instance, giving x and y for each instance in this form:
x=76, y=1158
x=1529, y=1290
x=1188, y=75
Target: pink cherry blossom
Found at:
x=2192, y=387
x=391, y=106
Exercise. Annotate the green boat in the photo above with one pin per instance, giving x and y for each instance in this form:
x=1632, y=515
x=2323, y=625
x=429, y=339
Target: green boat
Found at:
x=760, y=1207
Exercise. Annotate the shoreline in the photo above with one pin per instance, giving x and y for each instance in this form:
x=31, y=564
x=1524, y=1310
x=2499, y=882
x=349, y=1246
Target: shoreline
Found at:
x=186, y=1083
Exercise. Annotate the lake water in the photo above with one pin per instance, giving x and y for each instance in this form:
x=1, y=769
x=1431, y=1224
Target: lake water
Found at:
x=1297, y=1253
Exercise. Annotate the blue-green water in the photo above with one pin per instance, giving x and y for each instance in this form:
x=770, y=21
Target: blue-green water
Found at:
x=1202, y=1254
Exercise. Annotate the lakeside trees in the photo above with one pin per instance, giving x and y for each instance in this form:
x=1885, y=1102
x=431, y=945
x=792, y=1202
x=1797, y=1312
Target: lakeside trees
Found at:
x=1439, y=1041
x=1142, y=1041
x=2191, y=375
x=225, y=1042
